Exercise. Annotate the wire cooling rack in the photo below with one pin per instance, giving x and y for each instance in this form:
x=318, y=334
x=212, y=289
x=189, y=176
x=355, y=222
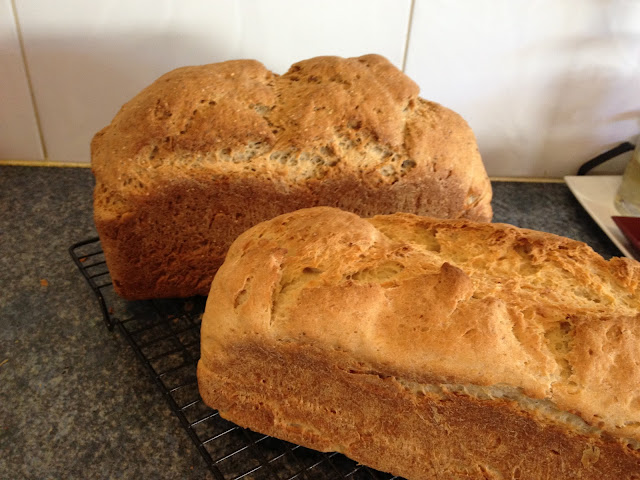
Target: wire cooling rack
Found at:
x=165, y=335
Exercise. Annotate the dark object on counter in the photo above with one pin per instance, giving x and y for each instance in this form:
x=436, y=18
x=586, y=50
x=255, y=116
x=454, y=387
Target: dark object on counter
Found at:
x=605, y=157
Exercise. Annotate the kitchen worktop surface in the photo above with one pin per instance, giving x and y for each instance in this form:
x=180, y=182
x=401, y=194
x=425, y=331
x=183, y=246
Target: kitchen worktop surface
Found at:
x=75, y=402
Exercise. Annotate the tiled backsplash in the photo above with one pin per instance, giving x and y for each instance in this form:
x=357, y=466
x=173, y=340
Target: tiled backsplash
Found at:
x=544, y=84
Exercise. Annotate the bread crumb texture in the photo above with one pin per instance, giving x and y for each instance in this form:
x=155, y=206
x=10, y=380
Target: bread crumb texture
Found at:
x=513, y=319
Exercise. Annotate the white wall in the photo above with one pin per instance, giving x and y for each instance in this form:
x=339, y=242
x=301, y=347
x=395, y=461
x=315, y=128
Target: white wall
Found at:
x=545, y=84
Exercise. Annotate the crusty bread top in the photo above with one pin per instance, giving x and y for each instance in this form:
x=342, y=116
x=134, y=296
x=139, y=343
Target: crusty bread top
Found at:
x=324, y=117
x=440, y=301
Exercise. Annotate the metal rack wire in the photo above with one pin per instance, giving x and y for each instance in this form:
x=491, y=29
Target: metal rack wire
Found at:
x=165, y=336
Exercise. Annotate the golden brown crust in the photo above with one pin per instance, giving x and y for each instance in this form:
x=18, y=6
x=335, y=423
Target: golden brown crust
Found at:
x=350, y=133
x=460, y=333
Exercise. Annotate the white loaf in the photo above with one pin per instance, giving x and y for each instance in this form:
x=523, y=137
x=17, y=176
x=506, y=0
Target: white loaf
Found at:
x=429, y=348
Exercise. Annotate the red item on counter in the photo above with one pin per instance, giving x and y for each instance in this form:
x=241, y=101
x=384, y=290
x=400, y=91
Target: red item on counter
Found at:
x=630, y=227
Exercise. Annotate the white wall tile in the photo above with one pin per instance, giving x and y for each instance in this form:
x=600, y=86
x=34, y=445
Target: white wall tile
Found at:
x=87, y=58
x=19, y=138
x=545, y=84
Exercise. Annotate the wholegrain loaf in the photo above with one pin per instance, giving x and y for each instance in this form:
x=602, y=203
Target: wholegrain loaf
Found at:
x=429, y=348
x=205, y=152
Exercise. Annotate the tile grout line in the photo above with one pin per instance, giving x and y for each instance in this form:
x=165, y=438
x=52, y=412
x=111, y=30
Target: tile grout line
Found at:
x=406, y=42
x=28, y=78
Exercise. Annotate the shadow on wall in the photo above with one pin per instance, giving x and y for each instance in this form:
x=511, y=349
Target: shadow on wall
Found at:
x=80, y=84
x=596, y=105
x=583, y=103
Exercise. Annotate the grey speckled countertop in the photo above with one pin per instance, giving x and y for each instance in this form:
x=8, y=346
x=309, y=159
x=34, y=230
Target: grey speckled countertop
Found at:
x=75, y=403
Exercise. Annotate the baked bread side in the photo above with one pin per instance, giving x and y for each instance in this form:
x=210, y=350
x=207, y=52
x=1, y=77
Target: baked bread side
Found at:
x=429, y=348
x=205, y=152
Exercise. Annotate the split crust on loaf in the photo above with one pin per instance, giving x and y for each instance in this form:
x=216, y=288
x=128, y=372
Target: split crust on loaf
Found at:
x=429, y=348
x=207, y=151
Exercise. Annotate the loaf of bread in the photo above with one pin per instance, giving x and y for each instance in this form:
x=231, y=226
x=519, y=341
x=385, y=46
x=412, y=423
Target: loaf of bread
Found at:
x=429, y=348
x=206, y=152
